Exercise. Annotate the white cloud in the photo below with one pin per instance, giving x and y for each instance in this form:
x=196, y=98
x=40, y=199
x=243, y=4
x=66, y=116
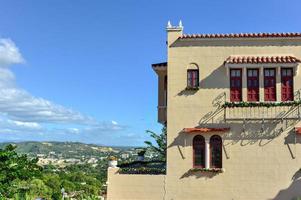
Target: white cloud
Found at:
x=23, y=114
x=22, y=106
x=9, y=53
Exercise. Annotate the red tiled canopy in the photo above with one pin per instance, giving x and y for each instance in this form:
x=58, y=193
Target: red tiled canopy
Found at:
x=261, y=59
x=205, y=130
x=241, y=35
x=298, y=130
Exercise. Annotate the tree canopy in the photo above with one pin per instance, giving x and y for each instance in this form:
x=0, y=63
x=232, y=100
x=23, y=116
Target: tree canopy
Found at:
x=161, y=142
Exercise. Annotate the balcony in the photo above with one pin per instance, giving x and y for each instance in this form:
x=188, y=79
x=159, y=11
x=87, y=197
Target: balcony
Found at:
x=262, y=111
x=162, y=114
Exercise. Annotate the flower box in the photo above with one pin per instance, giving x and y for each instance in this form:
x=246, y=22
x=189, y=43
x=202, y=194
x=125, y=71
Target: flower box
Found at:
x=213, y=170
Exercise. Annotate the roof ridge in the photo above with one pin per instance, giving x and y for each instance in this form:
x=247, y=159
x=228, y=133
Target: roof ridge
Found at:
x=241, y=35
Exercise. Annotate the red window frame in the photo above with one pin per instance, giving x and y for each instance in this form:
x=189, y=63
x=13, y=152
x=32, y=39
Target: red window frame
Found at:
x=235, y=85
x=270, y=84
x=253, y=84
x=198, y=151
x=216, y=152
x=287, y=84
x=192, y=78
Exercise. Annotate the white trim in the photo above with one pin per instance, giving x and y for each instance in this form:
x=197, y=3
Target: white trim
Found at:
x=207, y=153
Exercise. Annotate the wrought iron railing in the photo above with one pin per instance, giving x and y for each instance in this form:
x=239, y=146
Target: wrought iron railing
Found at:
x=259, y=113
x=261, y=110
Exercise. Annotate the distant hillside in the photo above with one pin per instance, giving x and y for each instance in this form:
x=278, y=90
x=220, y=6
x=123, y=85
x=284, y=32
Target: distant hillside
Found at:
x=65, y=149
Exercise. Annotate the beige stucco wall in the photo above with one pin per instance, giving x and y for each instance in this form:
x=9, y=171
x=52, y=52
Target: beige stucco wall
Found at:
x=259, y=165
x=131, y=187
x=261, y=159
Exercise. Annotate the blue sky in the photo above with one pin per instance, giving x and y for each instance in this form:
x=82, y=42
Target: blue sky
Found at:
x=80, y=70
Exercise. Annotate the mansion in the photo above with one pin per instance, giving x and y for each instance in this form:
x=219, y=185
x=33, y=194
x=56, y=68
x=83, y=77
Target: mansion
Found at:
x=231, y=105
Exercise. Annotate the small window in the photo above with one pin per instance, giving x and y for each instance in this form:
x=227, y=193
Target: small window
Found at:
x=253, y=85
x=216, y=151
x=192, y=78
x=287, y=84
x=235, y=85
x=199, y=151
x=269, y=85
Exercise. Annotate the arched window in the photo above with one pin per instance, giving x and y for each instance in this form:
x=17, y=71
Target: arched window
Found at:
x=193, y=76
x=199, y=151
x=216, y=151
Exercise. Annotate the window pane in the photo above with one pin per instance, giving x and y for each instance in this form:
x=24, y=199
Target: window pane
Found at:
x=189, y=74
x=272, y=72
x=249, y=73
x=250, y=83
x=266, y=72
x=199, y=151
x=289, y=72
x=216, y=151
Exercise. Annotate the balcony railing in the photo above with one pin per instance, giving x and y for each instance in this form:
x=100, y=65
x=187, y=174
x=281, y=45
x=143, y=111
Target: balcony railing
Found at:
x=262, y=111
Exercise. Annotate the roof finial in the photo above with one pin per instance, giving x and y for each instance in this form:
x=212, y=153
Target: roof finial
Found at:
x=169, y=24
x=180, y=24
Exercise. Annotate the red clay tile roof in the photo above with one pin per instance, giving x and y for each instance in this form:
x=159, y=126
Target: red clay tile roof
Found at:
x=261, y=59
x=205, y=130
x=163, y=64
x=241, y=35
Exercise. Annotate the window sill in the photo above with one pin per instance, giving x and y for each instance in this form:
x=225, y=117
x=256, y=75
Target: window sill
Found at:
x=192, y=88
x=213, y=170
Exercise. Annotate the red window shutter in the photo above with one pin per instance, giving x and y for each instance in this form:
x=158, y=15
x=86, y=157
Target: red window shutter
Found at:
x=253, y=84
x=269, y=84
x=235, y=85
x=287, y=84
x=192, y=78
x=199, y=151
x=216, y=152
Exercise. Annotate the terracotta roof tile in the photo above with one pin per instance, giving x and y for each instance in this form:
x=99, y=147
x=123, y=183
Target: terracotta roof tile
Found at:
x=241, y=35
x=205, y=130
x=261, y=59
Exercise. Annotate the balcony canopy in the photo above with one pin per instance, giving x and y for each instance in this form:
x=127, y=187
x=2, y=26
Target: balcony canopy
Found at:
x=298, y=128
x=205, y=130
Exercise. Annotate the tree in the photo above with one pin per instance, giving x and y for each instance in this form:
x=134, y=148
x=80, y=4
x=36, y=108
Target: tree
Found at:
x=161, y=144
x=15, y=169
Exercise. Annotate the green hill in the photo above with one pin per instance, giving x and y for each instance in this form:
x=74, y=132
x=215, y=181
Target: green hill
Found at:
x=65, y=149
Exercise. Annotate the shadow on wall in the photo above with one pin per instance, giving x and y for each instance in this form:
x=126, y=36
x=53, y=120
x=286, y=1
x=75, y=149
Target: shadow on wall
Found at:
x=248, y=134
x=233, y=42
x=205, y=175
x=216, y=79
x=293, y=192
x=291, y=139
x=187, y=92
x=245, y=132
